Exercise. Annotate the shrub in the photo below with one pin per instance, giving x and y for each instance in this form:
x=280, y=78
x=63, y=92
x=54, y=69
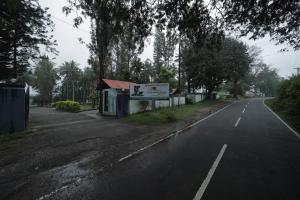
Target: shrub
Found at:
x=69, y=106
x=289, y=96
x=144, y=105
x=169, y=115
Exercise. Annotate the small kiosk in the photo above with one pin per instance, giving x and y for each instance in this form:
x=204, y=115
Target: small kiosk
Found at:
x=113, y=89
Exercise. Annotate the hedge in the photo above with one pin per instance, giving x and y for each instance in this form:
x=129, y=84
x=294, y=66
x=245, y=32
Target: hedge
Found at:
x=68, y=106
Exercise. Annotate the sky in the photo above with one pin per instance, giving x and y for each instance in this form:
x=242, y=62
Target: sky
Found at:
x=70, y=48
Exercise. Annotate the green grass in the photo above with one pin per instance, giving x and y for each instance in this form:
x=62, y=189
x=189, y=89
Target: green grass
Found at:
x=293, y=121
x=87, y=107
x=12, y=138
x=167, y=115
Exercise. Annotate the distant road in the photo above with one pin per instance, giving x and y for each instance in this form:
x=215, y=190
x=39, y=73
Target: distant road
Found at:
x=242, y=152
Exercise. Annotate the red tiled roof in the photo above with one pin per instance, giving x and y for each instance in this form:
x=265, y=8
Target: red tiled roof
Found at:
x=115, y=84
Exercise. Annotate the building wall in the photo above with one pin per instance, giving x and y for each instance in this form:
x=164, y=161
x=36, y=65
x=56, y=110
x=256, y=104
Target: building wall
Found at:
x=195, y=97
x=135, y=106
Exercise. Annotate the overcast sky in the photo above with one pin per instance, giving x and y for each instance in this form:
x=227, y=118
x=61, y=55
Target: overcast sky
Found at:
x=71, y=49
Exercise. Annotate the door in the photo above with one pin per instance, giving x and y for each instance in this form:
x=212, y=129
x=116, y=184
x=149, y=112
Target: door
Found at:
x=122, y=105
x=106, y=101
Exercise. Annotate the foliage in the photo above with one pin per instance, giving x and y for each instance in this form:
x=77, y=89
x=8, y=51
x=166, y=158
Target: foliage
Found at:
x=267, y=80
x=112, y=19
x=68, y=106
x=289, y=96
x=144, y=105
x=24, y=26
x=70, y=74
x=167, y=115
x=167, y=76
x=292, y=120
x=190, y=19
x=44, y=81
x=279, y=19
x=209, y=66
x=138, y=72
x=163, y=51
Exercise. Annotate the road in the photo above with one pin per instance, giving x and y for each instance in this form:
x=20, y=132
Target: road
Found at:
x=241, y=152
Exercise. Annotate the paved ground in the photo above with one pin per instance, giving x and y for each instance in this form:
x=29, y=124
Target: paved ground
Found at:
x=242, y=152
x=66, y=148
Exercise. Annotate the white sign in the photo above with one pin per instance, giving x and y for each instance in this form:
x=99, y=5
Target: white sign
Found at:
x=149, y=91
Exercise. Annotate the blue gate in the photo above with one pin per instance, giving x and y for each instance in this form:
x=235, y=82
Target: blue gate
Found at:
x=122, y=105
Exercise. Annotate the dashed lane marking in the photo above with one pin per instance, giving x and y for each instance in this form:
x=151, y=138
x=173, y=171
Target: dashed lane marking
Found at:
x=237, y=122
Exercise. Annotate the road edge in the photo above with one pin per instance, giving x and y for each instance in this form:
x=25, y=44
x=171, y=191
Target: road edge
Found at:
x=172, y=134
x=282, y=121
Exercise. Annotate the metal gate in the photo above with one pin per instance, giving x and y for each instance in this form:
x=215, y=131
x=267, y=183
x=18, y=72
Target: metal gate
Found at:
x=122, y=105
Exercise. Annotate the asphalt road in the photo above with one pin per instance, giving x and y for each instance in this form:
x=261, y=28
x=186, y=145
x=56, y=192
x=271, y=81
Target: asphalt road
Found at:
x=241, y=152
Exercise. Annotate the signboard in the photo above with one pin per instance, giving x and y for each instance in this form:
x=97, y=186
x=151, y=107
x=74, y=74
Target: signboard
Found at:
x=149, y=91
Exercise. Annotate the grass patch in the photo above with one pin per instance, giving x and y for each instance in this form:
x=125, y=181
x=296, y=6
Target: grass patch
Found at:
x=11, y=138
x=84, y=107
x=167, y=115
x=292, y=120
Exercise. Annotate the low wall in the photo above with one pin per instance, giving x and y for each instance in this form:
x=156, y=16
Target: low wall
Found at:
x=196, y=97
x=135, y=106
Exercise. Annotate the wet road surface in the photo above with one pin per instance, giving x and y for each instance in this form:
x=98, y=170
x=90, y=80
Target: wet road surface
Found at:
x=241, y=152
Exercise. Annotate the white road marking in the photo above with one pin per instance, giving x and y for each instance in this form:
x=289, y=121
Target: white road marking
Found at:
x=171, y=135
x=47, y=196
x=237, y=122
x=244, y=110
x=291, y=129
x=210, y=174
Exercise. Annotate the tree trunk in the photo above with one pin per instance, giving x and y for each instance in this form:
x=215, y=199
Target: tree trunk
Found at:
x=100, y=37
x=189, y=85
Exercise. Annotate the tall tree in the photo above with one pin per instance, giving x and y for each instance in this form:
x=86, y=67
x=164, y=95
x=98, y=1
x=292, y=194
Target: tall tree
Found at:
x=44, y=80
x=109, y=18
x=236, y=61
x=266, y=81
x=158, y=50
x=24, y=26
x=70, y=73
x=209, y=66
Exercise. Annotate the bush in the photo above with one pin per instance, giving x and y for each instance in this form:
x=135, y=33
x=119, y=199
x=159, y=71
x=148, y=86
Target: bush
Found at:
x=289, y=96
x=69, y=106
x=169, y=115
x=144, y=105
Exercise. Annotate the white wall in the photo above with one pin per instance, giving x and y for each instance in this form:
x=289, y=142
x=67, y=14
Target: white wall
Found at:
x=196, y=97
x=135, y=107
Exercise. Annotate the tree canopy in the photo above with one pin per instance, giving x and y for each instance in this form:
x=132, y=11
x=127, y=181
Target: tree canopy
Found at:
x=257, y=18
x=24, y=25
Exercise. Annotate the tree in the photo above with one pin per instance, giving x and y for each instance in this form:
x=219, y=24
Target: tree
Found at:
x=267, y=81
x=44, y=81
x=158, y=50
x=257, y=18
x=236, y=61
x=109, y=18
x=209, y=66
x=70, y=74
x=24, y=26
